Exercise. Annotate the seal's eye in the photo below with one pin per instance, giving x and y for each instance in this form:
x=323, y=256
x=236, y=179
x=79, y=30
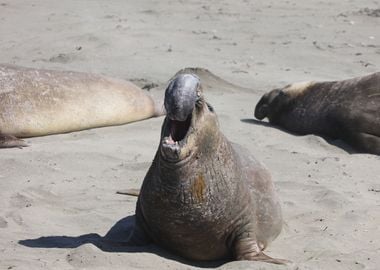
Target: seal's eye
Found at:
x=199, y=102
x=210, y=108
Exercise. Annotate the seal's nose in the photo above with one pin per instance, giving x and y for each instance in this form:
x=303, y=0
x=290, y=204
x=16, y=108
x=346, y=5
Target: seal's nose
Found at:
x=181, y=96
x=261, y=111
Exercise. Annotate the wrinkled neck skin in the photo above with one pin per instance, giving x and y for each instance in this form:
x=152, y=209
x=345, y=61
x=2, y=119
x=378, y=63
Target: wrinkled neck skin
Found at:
x=279, y=110
x=194, y=180
x=207, y=154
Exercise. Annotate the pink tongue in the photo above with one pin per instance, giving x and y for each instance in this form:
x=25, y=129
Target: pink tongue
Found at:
x=170, y=140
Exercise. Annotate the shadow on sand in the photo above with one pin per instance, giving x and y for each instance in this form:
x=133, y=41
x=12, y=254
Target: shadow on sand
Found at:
x=114, y=241
x=337, y=142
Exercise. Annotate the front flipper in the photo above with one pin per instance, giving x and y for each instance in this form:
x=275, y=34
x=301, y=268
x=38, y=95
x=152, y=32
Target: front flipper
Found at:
x=139, y=235
x=10, y=141
x=248, y=249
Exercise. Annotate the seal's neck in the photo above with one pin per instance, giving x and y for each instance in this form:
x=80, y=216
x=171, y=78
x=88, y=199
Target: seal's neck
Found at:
x=298, y=89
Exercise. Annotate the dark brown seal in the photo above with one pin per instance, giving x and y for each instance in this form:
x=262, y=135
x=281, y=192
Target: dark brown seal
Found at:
x=347, y=110
x=203, y=197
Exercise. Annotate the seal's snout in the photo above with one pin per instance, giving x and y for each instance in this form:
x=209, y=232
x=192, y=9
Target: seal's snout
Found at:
x=261, y=111
x=181, y=96
x=268, y=101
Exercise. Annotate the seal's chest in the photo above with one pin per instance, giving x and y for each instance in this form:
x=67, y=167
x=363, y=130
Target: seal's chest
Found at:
x=196, y=191
x=189, y=224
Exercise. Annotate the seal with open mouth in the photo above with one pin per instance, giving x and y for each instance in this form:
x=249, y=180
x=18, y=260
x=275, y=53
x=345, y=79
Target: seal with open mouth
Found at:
x=203, y=197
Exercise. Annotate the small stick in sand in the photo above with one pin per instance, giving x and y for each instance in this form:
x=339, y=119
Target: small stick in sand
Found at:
x=129, y=191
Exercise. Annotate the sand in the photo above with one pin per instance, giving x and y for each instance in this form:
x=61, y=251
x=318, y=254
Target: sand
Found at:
x=57, y=197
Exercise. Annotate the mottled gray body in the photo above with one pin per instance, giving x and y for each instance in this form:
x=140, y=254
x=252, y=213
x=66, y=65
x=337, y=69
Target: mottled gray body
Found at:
x=349, y=110
x=211, y=200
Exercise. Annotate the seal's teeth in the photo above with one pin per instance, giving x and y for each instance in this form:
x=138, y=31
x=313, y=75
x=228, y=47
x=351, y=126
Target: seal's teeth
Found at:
x=168, y=141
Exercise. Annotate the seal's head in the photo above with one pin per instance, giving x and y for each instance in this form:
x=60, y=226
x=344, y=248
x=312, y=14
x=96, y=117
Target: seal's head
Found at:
x=269, y=104
x=189, y=119
x=275, y=102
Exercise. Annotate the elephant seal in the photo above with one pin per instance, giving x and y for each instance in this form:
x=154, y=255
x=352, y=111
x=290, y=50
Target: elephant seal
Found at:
x=347, y=110
x=37, y=102
x=203, y=197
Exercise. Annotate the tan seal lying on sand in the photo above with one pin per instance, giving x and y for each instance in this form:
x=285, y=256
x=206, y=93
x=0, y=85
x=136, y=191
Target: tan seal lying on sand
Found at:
x=347, y=110
x=203, y=197
x=36, y=102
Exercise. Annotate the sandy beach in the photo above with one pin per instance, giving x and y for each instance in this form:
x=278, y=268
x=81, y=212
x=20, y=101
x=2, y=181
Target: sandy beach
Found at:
x=58, y=197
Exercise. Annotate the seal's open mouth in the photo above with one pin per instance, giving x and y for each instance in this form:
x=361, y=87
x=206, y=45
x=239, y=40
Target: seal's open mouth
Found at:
x=179, y=129
x=176, y=131
x=175, y=138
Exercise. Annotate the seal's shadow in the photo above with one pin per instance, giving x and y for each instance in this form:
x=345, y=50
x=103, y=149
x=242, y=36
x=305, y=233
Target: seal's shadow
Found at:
x=114, y=241
x=336, y=142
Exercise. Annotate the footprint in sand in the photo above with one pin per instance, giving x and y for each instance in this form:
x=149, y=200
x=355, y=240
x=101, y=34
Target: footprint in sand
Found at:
x=3, y=223
x=20, y=201
x=63, y=58
x=86, y=256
